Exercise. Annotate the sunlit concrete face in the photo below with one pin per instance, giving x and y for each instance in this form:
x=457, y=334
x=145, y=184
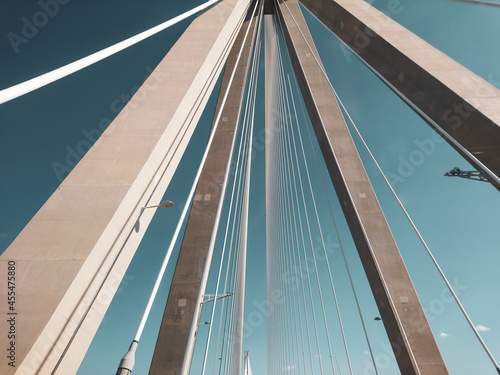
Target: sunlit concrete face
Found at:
x=453, y=98
x=413, y=343
x=69, y=260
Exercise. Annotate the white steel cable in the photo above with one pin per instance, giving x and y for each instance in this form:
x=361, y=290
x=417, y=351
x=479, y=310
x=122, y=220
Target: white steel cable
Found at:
x=185, y=126
x=293, y=266
x=183, y=215
x=235, y=227
x=444, y=134
x=228, y=337
x=288, y=274
x=320, y=230
x=238, y=176
x=285, y=160
x=300, y=269
x=321, y=234
x=436, y=264
x=290, y=199
x=247, y=116
x=339, y=239
x=294, y=189
x=54, y=75
x=405, y=338
x=287, y=242
x=221, y=200
x=191, y=341
x=304, y=251
x=492, y=175
x=244, y=238
x=292, y=271
x=279, y=241
x=289, y=143
x=281, y=244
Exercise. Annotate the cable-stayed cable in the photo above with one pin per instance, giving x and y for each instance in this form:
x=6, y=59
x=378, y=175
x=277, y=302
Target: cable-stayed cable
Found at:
x=54, y=75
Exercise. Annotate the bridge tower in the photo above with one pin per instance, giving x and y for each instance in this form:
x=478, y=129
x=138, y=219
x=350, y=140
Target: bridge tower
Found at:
x=76, y=249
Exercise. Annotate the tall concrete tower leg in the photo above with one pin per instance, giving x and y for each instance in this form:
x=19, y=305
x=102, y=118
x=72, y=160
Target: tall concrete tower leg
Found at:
x=411, y=338
x=181, y=309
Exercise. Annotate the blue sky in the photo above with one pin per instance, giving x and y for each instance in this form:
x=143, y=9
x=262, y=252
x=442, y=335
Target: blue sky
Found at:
x=47, y=131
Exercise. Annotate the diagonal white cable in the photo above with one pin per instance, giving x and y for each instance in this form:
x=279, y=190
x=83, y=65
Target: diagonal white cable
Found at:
x=179, y=225
x=186, y=207
x=288, y=230
x=321, y=233
x=292, y=269
x=436, y=264
x=296, y=200
x=339, y=239
x=54, y=75
x=443, y=133
x=217, y=218
x=235, y=201
x=233, y=213
x=302, y=233
x=294, y=284
x=405, y=338
x=290, y=139
x=492, y=175
x=233, y=241
x=296, y=214
x=340, y=242
x=288, y=274
x=248, y=119
x=282, y=331
x=286, y=167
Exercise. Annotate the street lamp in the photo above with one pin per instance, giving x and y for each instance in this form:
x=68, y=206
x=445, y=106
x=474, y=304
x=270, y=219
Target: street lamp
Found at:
x=166, y=204
x=127, y=363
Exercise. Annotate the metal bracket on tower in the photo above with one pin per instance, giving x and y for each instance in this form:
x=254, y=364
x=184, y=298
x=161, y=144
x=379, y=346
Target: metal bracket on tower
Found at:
x=471, y=175
x=213, y=297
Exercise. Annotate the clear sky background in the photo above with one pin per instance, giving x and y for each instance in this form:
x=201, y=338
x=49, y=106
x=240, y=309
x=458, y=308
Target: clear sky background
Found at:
x=43, y=134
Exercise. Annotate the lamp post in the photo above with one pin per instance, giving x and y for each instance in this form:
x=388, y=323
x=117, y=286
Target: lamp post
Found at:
x=127, y=363
x=166, y=204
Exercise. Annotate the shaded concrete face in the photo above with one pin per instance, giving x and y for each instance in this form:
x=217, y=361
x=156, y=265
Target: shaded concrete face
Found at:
x=458, y=101
x=69, y=260
x=179, y=312
x=404, y=319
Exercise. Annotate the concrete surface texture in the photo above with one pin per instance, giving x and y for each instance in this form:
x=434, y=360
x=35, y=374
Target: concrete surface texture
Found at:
x=70, y=258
